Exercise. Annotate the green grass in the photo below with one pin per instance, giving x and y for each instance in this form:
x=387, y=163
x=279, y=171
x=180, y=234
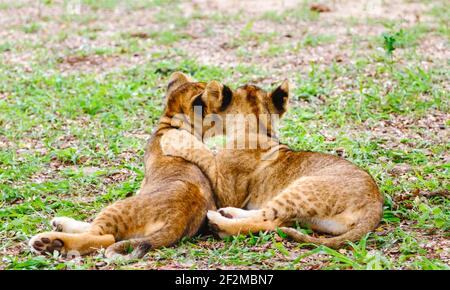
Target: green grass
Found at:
x=72, y=136
x=31, y=28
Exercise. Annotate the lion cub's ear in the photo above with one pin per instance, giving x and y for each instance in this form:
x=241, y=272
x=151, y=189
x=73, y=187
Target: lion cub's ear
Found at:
x=176, y=80
x=217, y=96
x=279, y=98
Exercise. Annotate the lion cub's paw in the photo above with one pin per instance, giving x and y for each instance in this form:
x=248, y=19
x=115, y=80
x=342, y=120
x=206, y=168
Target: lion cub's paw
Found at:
x=173, y=141
x=69, y=225
x=58, y=223
x=235, y=213
x=46, y=243
x=215, y=222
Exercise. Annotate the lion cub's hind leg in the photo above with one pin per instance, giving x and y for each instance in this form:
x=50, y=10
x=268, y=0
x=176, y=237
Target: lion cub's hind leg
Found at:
x=68, y=243
x=253, y=222
x=237, y=213
x=69, y=225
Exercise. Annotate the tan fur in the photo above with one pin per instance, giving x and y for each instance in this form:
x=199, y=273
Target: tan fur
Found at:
x=325, y=192
x=172, y=201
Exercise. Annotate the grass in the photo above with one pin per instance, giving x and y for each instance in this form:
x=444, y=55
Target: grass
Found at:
x=72, y=133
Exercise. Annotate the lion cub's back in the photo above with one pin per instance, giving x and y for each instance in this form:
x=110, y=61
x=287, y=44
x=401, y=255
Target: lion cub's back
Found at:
x=272, y=176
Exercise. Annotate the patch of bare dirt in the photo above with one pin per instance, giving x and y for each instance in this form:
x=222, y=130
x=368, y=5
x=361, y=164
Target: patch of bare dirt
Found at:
x=251, y=7
x=211, y=41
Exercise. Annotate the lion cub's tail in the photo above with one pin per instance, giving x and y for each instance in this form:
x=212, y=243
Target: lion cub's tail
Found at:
x=367, y=223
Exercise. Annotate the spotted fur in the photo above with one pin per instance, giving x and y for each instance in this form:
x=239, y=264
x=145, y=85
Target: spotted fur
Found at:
x=325, y=192
x=172, y=201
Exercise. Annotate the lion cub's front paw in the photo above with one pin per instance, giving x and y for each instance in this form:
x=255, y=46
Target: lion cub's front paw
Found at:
x=168, y=144
x=173, y=141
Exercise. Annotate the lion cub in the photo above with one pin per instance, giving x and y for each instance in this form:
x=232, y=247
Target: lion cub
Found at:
x=172, y=201
x=278, y=187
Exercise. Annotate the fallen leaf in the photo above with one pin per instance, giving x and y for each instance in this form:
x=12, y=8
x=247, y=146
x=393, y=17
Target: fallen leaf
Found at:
x=319, y=8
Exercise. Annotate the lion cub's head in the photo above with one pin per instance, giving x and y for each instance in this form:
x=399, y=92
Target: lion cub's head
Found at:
x=215, y=108
x=247, y=99
x=184, y=104
x=248, y=106
x=182, y=95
